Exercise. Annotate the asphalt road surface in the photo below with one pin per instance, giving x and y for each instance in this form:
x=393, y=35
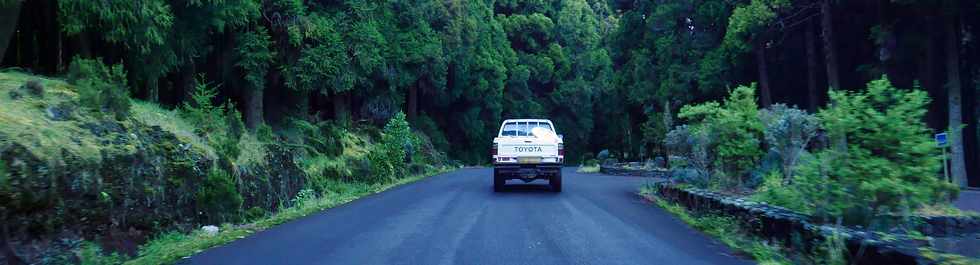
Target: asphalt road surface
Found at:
x=456, y=218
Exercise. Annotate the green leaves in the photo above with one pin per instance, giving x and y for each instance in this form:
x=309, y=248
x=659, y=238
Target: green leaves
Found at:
x=388, y=159
x=736, y=131
x=890, y=163
x=255, y=56
x=100, y=88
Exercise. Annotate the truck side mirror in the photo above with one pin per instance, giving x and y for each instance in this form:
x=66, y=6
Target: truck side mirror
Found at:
x=561, y=136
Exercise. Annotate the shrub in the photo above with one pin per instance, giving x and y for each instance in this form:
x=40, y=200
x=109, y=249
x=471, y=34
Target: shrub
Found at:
x=889, y=163
x=777, y=192
x=388, y=157
x=603, y=155
x=735, y=127
x=693, y=146
x=788, y=131
x=217, y=198
x=34, y=87
x=207, y=117
x=99, y=87
x=255, y=213
x=264, y=133
x=321, y=138
x=426, y=125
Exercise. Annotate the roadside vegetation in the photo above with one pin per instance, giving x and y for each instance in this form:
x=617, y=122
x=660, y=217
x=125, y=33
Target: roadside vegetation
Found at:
x=729, y=231
x=196, y=165
x=868, y=154
x=866, y=161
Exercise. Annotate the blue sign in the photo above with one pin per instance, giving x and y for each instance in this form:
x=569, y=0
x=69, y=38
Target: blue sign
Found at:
x=941, y=140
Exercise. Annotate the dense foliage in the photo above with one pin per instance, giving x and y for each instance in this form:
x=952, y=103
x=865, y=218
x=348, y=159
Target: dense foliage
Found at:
x=100, y=87
x=731, y=132
x=880, y=159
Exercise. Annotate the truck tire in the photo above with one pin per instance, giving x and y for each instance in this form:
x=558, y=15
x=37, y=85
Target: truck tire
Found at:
x=555, y=182
x=498, y=182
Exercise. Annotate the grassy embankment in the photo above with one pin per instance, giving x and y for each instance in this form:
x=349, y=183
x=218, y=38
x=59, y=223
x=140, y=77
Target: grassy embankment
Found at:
x=724, y=229
x=171, y=247
x=56, y=132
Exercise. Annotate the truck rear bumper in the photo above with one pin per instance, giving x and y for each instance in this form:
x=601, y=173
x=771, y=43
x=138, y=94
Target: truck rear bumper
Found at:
x=527, y=171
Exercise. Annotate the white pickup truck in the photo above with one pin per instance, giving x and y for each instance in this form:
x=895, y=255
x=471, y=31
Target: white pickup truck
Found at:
x=527, y=149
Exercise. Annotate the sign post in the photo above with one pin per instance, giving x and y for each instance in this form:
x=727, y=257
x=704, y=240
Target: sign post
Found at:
x=941, y=142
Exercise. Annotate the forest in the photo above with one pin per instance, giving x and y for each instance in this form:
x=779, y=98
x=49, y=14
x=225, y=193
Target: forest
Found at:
x=600, y=69
x=614, y=75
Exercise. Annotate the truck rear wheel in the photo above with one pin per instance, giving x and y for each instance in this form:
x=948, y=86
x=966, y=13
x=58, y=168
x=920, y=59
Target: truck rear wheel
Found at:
x=498, y=182
x=555, y=182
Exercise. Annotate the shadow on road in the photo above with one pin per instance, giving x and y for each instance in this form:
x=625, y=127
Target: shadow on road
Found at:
x=527, y=188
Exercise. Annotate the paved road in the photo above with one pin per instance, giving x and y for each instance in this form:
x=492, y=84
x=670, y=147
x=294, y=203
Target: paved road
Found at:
x=455, y=218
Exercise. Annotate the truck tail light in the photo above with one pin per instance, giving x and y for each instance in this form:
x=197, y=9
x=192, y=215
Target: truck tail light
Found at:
x=493, y=150
x=561, y=149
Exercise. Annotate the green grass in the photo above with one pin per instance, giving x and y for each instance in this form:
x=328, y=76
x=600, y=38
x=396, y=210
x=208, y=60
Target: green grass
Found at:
x=25, y=120
x=724, y=229
x=588, y=169
x=171, y=247
x=170, y=120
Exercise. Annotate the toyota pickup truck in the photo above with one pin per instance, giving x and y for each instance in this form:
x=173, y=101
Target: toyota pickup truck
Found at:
x=527, y=149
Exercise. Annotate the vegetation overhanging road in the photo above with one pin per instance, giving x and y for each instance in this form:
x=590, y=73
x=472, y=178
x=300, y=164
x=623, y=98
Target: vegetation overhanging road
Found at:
x=456, y=218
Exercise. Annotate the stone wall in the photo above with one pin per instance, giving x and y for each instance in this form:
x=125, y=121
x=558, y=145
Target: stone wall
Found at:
x=628, y=169
x=795, y=230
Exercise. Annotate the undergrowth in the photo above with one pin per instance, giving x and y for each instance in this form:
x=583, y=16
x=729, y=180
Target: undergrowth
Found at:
x=170, y=247
x=724, y=229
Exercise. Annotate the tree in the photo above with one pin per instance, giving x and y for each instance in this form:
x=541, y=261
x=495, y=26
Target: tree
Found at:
x=829, y=44
x=751, y=22
x=255, y=58
x=9, y=13
x=954, y=88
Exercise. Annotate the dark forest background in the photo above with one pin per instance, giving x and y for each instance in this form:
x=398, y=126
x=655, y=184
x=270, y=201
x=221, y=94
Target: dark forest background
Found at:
x=604, y=71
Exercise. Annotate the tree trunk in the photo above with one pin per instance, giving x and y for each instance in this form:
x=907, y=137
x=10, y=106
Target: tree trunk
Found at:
x=254, y=107
x=829, y=48
x=340, y=112
x=931, y=80
x=9, y=14
x=153, y=89
x=958, y=162
x=187, y=82
x=413, y=101
x=811, y=68
x=760, y=56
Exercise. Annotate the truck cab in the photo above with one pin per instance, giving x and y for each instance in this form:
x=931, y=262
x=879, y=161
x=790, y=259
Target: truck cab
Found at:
x=528, y=150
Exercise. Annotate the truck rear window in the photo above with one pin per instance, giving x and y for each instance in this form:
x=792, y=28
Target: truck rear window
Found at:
x=522, y=128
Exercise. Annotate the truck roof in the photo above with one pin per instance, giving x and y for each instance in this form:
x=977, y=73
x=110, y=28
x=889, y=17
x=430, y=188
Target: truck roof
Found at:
x=527, y=120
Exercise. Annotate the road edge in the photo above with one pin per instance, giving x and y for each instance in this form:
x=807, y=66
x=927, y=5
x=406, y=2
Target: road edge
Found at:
x=169, y=248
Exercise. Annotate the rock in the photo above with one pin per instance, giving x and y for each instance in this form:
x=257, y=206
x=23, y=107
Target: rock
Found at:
x=62, y=112
x=14, y=95
x=210, y=230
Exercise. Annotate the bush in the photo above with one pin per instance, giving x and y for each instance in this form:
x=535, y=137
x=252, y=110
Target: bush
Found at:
x=889, y=165
x=603, y=155
x=321, y=138
x=99, y=87
x=388, y=157
x=217, y=198
x=207, y=117
x=34, y=87
x=775, y=191
x=693, y=146
x=426, y=125
x=788, y=131
x=264, y=133
x=255, y=213
x=735, y=127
